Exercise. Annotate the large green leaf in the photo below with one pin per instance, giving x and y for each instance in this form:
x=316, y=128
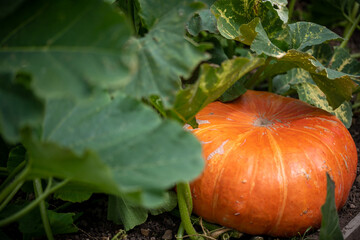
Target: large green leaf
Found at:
x=68, y=47
x=19, y=107
x=337, y=86
x=212, y=83
x=330, y=228
x=164, y=53
x=302, y=35
x=306, y=34
x=232, y=15
x=301, y=81
x=118, y=145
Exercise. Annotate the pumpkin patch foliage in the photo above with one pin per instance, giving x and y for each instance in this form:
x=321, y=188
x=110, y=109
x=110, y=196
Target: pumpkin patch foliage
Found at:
x=94, y=95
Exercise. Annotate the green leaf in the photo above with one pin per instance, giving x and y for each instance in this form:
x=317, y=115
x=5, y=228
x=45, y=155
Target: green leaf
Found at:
x=74, y=192
x=31, y=224
x=301, y=81
x=212, y=83
x=19, y=108
x=281, y=9
x=8, y=6
x=330, y=228
x=203, y=20
x=231, y=15
x=119, y=145
x=16, y=156
x=124, y=212
x=302, y=36
x=306, y=34
x=235, y=91
x=164, y=53
x=85, y=46
x=337, y=86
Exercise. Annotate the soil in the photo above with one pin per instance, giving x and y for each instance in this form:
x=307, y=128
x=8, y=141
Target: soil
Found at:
x=93, y=224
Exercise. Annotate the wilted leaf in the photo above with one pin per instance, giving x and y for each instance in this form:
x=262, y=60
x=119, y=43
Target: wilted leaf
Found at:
x=68, y=47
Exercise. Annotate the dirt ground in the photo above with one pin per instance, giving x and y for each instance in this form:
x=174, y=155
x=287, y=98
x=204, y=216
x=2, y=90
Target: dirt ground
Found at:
x=93, y=224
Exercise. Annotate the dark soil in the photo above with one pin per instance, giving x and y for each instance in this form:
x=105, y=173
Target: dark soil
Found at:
x=93, y=224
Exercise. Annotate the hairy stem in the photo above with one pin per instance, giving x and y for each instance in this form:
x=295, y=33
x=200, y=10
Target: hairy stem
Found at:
x=184, y=195
x=44, y=217
x=33, y=204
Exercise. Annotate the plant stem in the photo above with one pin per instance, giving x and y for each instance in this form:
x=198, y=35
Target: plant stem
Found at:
x=291, y=8
x=34, y=203
x=12, y=175
x=256, y=77
x=356, y=105
x=355, y=55
x=180, y=232
x=44, y=217
x=350, y=32
x=183, y=191
x=18, y=180
x=11, y=195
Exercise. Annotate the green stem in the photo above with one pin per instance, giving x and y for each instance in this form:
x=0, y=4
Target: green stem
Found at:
x=180, y=232
x=350, y=32
x=355, y=55
x=11, y=195
x=18, y=179
x=356, y=105
x=183, y=200
x=44, y=217
x=255, y=79
x=291, y=8
x=13, y=174
x=33, y=204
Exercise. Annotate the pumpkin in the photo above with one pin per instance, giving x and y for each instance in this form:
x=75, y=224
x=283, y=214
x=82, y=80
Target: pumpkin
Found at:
x=266, y=162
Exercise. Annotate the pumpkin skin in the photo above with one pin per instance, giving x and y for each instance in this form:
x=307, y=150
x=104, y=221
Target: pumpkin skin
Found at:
x=266, y=162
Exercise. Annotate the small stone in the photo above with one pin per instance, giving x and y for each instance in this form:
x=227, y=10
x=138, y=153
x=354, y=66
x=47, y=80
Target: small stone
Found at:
x=352, y=206
x=167, y=234
x=145, y=232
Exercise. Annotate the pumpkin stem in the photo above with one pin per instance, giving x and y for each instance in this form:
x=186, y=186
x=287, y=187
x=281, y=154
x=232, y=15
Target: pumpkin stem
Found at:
x=185, y=208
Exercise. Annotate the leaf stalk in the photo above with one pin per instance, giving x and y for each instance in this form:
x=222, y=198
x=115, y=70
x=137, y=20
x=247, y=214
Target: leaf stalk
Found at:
x=184, y=198
x=44, y=217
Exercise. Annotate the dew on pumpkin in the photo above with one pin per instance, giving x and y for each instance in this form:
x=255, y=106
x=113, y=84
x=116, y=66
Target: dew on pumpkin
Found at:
x=237, y=214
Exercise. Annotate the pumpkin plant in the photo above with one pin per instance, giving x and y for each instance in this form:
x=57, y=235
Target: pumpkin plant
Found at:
x=266, y=162
x=94, y=95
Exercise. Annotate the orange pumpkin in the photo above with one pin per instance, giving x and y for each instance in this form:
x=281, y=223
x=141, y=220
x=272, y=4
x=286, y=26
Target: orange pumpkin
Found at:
x=266, y=162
